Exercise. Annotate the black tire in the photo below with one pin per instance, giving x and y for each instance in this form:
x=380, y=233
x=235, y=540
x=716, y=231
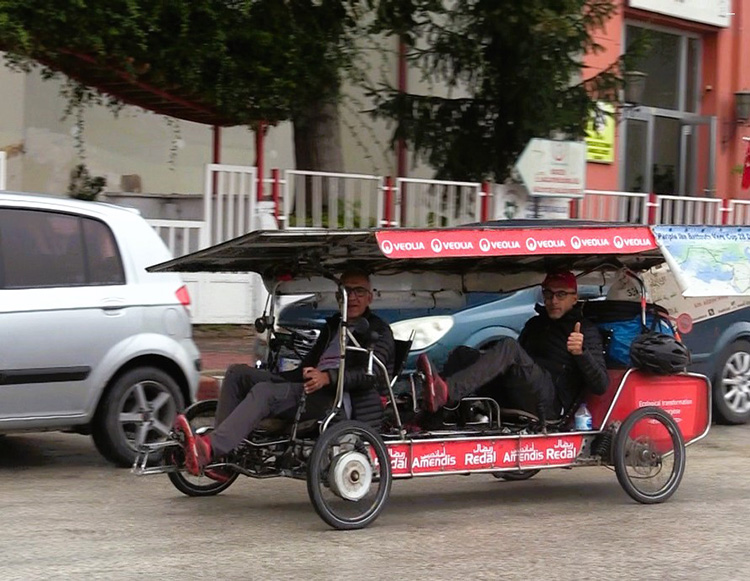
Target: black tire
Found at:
x=345, y=448
x=517, y=475
x=201, y=417
x=645, y=455
x=731, y=385
x=140, y=407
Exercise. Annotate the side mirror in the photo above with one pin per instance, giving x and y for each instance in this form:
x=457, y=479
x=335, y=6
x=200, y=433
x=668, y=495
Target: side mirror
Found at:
x=263, y=323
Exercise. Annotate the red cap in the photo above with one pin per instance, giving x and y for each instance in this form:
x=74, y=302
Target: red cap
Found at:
x=563, y=279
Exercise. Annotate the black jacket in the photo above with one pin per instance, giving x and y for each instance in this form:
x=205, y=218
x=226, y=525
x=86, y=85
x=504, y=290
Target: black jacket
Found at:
x=546, y=341
x=364, y=390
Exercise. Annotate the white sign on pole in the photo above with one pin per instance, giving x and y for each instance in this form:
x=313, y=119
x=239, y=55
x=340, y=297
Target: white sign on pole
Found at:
x=553, y=168
x=715, y=12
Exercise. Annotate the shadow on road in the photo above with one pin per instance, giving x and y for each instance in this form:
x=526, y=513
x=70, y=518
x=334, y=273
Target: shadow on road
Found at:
x=48, y=449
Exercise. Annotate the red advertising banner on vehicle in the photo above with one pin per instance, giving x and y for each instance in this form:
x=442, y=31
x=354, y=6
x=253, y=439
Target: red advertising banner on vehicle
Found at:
x=467, y=455
x=514, y=242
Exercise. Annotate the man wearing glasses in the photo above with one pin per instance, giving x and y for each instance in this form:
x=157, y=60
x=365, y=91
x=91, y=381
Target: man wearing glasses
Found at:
x=248, y=395
x=557, y=354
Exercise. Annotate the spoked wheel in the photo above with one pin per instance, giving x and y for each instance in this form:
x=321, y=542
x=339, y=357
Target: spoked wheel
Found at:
x=517, y=474
x=649, y=455
x=201, y=417
x=349, y=475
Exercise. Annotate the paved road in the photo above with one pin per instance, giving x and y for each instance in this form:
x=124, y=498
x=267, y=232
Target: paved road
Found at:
x=66, y=514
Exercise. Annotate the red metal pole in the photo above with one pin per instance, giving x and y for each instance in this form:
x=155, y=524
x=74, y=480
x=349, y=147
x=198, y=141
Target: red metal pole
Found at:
x=652, y=204
x=275, y=192
x=259, y=157
x=485, y=201
x=388, y=201
x=215, y=157
x=573, y=209
x=402, y=88
x=724, y=211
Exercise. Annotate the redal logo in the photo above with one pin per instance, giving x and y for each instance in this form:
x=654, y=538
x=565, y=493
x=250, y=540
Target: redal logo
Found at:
x=388, y=247
x=439, y=245
x=486, y=245
x=398, y=460
x=480, y=456
x=437, y=459
x=562, y=451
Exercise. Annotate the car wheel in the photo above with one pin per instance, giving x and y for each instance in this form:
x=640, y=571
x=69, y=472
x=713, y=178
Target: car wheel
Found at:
x=139, y=408
x=731, y=387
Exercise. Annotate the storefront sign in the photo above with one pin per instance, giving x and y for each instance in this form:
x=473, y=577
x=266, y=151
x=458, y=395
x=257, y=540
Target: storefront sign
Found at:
x=600, y=134
x=715, y=12
x=553, y=168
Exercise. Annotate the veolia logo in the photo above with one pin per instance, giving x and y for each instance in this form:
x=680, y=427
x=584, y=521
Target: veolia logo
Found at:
x=575, y=242
x=618, y=242
x=484, y=245
x=531, y=244
x=437, y=246
x=387, y=247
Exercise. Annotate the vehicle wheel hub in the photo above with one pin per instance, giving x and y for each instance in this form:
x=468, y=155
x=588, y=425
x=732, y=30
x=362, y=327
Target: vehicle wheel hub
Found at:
x=350, y=475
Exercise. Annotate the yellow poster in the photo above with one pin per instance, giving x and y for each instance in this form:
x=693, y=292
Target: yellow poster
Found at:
x=600, y=134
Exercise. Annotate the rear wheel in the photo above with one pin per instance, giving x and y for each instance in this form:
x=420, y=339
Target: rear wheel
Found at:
x=649, y=455
x=140, y=408
x=349, y=475
x=731, y=386
x=201, y=417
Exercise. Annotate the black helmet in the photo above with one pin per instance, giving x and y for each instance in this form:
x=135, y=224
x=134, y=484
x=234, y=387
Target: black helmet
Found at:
x=659, y=353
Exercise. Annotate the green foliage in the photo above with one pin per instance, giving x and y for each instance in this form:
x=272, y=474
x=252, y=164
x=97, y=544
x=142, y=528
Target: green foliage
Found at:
x=248, y=60
x=84, y=186
x=516, y=72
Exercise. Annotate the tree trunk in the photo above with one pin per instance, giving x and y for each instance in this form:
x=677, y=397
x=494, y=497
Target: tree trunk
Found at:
x=317, y=139
x=317, y=147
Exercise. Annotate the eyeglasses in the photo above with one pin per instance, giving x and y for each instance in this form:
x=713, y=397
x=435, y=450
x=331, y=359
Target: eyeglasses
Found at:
x=358, y=291
x=559, y=295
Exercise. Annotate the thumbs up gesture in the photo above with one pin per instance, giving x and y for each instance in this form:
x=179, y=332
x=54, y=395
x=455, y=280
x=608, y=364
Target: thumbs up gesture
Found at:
x=575, y=340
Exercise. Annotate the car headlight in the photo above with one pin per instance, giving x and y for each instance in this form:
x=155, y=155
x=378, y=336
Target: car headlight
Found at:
x=427, y=330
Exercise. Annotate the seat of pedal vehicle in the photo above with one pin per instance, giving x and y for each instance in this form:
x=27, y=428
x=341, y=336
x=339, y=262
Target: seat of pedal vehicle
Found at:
x=282, y=426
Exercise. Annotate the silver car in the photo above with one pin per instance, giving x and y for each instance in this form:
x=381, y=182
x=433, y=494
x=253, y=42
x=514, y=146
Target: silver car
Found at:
x=90, y=341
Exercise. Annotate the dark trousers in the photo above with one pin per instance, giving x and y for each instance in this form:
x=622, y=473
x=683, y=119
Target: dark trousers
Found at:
x=248, y=395
x=504, y=372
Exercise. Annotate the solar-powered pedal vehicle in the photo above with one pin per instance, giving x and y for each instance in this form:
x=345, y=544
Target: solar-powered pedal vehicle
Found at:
x=641, y=425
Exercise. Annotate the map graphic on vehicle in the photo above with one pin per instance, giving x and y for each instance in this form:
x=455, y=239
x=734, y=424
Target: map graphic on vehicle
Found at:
x=709, y=263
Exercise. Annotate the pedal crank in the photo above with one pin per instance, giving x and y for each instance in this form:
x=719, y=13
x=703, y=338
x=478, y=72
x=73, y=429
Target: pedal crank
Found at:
x=141, y=467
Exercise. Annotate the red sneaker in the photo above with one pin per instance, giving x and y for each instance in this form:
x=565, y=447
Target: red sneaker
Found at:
x=197, y=456
x=182, y=426
x=435, y=391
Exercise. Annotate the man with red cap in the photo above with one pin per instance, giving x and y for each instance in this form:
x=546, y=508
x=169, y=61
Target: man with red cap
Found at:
x=557, y=354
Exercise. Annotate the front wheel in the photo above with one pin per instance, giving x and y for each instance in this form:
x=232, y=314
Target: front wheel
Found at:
x=349, y=475
x=649, y=455
x=201, y=417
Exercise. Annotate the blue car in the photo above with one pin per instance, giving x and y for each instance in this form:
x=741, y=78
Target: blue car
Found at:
x=720, y=345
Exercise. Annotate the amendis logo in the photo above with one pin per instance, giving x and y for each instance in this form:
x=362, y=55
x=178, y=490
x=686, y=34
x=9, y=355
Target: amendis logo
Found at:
x=480, y=456
x=436, y=459
x=487, y=245
x=560, y=451
x=527, y=454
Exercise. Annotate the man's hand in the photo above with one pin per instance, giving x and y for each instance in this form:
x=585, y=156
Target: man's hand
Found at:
x=575, y=341
x=315, y=379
